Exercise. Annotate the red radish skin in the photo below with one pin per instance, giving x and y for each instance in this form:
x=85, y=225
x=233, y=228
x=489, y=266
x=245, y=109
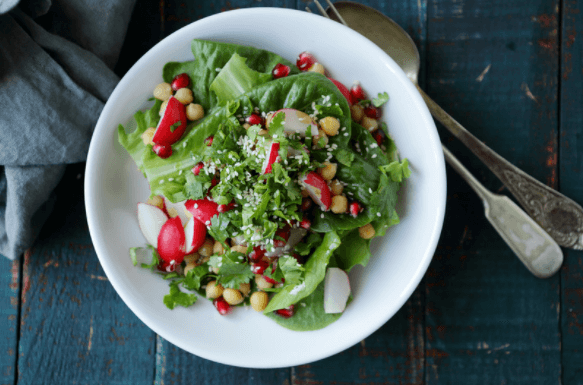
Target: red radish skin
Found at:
x=256, y=254
x=280, y=71
x=209, y=140
x=162, y=151
x=180, y=81
x=171, y=241
x=271, y=158
x=305, y=224
x=357, y=92
x=222, y=306
x=195, y=233
x=202, y=209
x=172, y=125
x=287, y=312
x=225, y=208
x=166, y=267
x=342, y=88
x=318, y=189
x=305, y=61
x=259, y=267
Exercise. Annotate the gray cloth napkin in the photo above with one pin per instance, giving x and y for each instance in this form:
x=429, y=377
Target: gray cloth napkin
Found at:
x=54, y=81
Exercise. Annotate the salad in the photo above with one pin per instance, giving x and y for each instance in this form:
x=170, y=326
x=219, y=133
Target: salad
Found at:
x=268, y=181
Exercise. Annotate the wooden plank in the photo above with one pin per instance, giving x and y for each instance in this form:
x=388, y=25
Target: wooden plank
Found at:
x=9, y=311
x=394, y=353
x=74, y=327
x=571, y=163
x=493, y=66
x=176, y=366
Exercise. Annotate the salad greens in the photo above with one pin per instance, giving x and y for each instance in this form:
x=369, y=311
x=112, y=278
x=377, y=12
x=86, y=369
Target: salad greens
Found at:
x=232, y=82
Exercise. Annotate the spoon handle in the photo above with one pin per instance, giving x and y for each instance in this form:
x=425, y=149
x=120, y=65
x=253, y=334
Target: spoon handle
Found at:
x=560, y=216
x=531, y=244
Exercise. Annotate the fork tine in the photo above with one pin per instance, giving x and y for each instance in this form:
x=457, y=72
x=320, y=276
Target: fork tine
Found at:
x=321, y=9
x=308, y=10
x=336, y=12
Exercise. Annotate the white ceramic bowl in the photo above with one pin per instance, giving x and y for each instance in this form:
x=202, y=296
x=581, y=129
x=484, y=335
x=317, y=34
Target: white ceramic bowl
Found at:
x=113, y=186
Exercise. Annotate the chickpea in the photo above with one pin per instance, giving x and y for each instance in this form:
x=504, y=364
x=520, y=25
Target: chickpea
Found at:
x=192, y=258
x=156, y=200
x=240, y=249
x=261, y=282
x=318, y=68
x=330, y=125
x=148, y=135
x=336, y=187
x=206, y=250
x=366, y=231
x=357, y=112
x=259, y=300
x=184, y=96
x=328, y=171
x=163, y=107
x=305, y=193
x=370, y=124
x=245, y=288
x=232, y=296
x=213, y=290
x=194, y=112
x=188, y=267
x=218, y=248
x=246, y=126
x=172, y=212
x=339, y=204
x=262, y=132
x=316, y=139
x=163, y=91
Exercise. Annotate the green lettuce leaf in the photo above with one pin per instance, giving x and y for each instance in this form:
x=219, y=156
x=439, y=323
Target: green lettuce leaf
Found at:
x=236, y=78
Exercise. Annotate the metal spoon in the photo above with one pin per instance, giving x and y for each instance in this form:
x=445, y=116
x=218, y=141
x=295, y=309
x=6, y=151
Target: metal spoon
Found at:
x=560, y=216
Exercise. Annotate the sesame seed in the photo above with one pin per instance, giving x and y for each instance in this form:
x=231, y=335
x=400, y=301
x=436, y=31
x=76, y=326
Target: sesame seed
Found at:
x=378, y=214
x=322, y=215
x=374, y=156
x=370, y=190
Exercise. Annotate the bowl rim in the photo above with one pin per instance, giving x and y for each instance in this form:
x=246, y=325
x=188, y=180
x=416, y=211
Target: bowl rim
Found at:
x=101, y=130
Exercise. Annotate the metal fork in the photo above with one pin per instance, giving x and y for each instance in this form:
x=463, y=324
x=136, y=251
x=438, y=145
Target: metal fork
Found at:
x=517, y=229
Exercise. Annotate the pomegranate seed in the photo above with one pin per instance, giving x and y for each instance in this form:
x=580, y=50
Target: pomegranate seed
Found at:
x=162, y=151
x=354, y=209
x=196, y=169
x=280, y=71
x=278, y=243
x=222, y=306
x=214, y=182
x=209, y=140
x=357, y=92
x=373, y=112
x=254, y=119
x=256, y=254
x=166, y=267
x=306, y=204
x=180, y=81
x=305, y=223
x=305, y=61
x=287, y=312
x=379, y=136
x=259, y=267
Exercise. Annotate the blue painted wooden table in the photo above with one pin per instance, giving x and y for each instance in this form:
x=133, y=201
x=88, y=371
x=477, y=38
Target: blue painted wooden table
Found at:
x=508, y=70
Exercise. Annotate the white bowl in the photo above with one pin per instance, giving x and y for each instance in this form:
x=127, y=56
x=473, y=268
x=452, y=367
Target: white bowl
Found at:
x=113, y=186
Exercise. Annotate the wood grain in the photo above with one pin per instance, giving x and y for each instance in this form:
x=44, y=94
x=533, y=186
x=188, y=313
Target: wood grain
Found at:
x=493, y=66
x=9, y=300
x=74, y=327
x=571, y=165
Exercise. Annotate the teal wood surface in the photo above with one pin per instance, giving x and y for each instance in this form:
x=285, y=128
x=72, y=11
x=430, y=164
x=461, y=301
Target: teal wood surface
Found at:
x=510, y=71
x=571, y=183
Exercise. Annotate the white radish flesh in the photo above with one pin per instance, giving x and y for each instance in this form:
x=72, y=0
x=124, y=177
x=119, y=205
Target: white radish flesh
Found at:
x=151, y=219
x=336, y=290
x=180, y=209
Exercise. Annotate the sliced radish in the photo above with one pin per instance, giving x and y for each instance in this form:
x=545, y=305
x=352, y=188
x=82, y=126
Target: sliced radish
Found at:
x=195, y=232
x=295, y=122
x=342, y=88
x=171, y=241
x=179, y=207
x=202, y=209
x=151, y=219
x=271, y=158
x=172, y=125
x=336, y=290
x=318, y=189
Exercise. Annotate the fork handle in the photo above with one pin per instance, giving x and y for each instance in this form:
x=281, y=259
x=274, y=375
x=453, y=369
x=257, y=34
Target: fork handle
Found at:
x=560, y=216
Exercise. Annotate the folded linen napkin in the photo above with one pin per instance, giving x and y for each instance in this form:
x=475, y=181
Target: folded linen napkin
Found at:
x=56, y=60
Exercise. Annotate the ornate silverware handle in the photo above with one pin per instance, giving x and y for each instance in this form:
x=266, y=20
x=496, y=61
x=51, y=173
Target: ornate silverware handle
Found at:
x=560, y=216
